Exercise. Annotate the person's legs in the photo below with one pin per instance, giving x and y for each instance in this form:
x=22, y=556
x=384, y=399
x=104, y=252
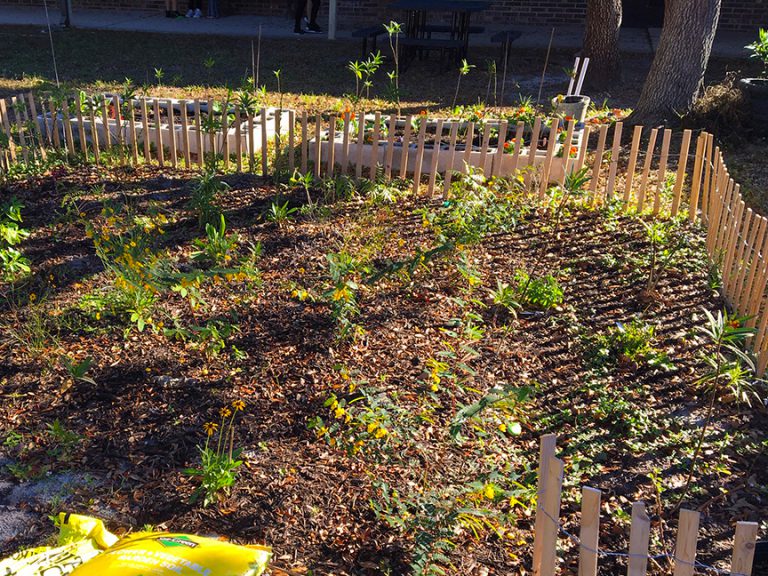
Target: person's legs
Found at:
x=315, y=10
x=298, y=15
x=313, y=26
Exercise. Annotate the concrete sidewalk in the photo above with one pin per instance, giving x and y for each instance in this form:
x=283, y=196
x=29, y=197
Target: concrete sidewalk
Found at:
x=633, y=40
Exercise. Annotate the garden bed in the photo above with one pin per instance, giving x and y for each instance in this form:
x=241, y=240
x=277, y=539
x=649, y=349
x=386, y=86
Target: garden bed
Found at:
x=427, y=346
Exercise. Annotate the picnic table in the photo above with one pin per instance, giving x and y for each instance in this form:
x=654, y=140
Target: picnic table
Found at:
x=418, y=32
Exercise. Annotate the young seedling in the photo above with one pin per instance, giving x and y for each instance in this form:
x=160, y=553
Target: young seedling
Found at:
x=463, y=71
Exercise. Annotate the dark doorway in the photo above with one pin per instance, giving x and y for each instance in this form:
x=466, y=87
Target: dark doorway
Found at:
x=643, y=13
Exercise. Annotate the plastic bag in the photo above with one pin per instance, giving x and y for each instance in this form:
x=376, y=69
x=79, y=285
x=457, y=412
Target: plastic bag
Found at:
x=161, y=554
x=81, y=538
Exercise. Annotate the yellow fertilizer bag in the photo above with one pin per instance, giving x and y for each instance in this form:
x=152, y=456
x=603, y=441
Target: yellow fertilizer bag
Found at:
x=161, y=554
x=81, y=538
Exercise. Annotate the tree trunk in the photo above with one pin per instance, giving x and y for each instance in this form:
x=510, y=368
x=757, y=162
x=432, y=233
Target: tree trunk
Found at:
x=601, y=43
x=677, y=72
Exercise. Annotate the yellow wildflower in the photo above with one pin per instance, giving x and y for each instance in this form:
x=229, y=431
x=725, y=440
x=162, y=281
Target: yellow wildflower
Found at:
x=489, y=491
x=32, y=297
x=339, y=412
x=371, y=427
x=210, y=428
x=238, y=405
x=381, y=432
x=225, y=412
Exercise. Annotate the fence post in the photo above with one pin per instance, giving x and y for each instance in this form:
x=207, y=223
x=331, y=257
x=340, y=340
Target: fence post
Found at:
x=646, y=169
x=419, y=157
x=685, y=547
x=597, y=164
x=661, y=175
x=639, y=536
x=637, y=133
x=435, y=158
x=552, y=142
x=552, y=493
x=744, y=548
x=590, y=531
x=682, y=164
x=615, y=150
x=547, y=445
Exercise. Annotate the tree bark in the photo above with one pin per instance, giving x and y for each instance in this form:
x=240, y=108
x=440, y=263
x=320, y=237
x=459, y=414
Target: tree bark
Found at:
x=677, y=71
x=601, y=43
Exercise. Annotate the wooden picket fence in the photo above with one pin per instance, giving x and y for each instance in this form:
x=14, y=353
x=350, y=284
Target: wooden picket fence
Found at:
x=547, y=530
x=661, y=175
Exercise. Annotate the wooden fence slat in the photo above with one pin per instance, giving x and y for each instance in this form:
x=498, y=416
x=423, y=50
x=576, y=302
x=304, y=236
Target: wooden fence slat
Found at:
x=755, y=290
x=590, y=531
x=579, y=164
x=744, y=548
x=279, y=138
x=94, y=135
x=304, y=142
x=344, y=160
x=19, y=110
x=725, y=218
x=498, y=157
x=639, y=537
x=755, y=262
x=7, y=129
x=732, y=241
x=419, y=157
x=685, y=546
x=119, y=123
x=251, y=140
x=291, y=141
x=406, y=144
x=80, y=129
x=597, y=163
x=36, y=124
x=532, y=149
x=159, y=134
x=646, y=169
x=54, y=125
x=661, y=175
x=710, y=142
x=468, y=149
x=225, y=133
x=200, y=141
x=330, y=167
x=390, y=146
x=636, y=134
x=552, y=494
x=435, y=157
x=360, y=145
x=484, y=149
x=519, y=141
x=682, y=164
x=265, y=145
x=710, y=185
x=547, y=167
x=132, y=126
x=746, y=239
x=318, y=147
x=105, y=103
x=375, y=144
x=451, y=153
x=68, y=136
x=547, y=445
x=614, y=165
x=185, y=137
x=145, y=130
x=567, y=144
x=715, y=203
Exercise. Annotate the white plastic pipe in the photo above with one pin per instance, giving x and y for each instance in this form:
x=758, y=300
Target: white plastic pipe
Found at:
x=573, y=77
x=584, y=66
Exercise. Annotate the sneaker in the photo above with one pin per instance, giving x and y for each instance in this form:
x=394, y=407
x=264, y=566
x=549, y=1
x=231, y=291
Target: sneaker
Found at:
x=189, y=13
x=298, y=31
x=313, y=28
x=197, y=14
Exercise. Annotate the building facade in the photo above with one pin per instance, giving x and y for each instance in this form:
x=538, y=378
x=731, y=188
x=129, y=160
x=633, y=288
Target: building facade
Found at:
x=743, y=15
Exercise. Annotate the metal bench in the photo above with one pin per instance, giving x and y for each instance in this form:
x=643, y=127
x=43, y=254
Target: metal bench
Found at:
x=370, y=32
x=447, y=29
x=505, y=37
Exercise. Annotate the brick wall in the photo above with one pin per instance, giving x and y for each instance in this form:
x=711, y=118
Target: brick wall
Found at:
x=745, y=15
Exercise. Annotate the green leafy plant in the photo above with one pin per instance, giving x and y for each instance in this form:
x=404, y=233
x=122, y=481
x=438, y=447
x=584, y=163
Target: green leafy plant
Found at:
x=78, y=370
x=280, y=213
x=629, y=343
x=730, y=375
x=394, y=29
x=542, y=292
x=464, y=69
x=342, y=295
x=12, y=262
x=204, y=193
x=759, y=49
x=219, y=465
x=217, y=247
x=573, y=187
x=363, y=72
x=667, y=242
